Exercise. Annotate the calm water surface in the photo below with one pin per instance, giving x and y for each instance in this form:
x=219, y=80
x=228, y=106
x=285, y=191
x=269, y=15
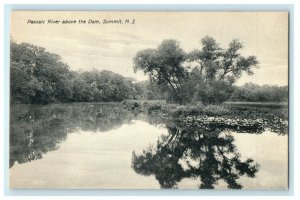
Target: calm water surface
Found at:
x=104, y=146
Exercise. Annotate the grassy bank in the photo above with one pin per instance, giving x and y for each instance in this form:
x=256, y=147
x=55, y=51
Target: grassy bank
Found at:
x=228, y=108
x=240, y=116
x=258, y=104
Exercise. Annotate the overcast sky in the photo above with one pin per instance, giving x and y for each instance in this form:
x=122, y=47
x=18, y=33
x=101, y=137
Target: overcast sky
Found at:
x=113, y=46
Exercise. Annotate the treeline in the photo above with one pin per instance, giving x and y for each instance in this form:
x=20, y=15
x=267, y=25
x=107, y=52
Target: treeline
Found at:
x=250, y=92
x=40, y=77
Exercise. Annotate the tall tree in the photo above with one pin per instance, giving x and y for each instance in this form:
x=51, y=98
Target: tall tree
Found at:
x=218, y=69
x=164, y=65
x=211, y=78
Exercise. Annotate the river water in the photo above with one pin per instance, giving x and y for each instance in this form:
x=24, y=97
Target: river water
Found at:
x=90, y=146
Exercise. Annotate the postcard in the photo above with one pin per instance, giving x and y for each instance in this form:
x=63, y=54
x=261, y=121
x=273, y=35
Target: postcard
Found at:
x=148, y=100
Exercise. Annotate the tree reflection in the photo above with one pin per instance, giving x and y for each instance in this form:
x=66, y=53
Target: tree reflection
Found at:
x=193, y=150
x=37, y=129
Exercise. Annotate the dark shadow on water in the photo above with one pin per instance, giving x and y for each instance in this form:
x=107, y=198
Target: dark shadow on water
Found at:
x=195, y=150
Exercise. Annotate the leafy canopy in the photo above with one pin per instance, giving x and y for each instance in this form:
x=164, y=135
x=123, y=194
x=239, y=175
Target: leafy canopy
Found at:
x=211, y=78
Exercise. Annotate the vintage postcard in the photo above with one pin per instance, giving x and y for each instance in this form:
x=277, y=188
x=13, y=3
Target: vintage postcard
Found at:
x=148, y=100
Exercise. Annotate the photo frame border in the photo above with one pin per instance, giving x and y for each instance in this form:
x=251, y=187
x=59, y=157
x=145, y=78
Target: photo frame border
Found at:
x=8, y=8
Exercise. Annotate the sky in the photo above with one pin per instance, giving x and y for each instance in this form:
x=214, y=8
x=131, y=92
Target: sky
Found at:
x=113, y=46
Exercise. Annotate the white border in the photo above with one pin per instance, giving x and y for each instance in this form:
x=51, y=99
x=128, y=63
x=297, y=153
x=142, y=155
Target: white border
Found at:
x=295, y=78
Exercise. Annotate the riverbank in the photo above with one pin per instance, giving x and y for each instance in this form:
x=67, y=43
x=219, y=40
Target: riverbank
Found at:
x=237, y=116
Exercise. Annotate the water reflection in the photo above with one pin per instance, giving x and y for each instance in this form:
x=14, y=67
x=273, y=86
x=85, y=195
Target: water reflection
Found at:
x=195, y=150
x=190, y=147
x=35, y=130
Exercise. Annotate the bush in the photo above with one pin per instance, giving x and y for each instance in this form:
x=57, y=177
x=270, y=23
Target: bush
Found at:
x=153, y=107
x=216, y=110
x=131, y=104
x=200, y=109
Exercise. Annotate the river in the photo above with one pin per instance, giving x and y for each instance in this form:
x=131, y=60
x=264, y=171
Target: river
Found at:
x=103, y=146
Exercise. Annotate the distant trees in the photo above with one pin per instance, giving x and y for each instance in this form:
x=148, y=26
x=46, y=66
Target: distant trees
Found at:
x=210, y=80
x=40, y=77
x=207, y=75
x=105, y=86
x=255, y=93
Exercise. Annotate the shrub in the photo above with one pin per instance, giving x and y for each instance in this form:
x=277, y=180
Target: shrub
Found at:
x=216, y=110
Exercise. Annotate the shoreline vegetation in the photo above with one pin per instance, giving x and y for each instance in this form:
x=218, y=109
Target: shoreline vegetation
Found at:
x=204, y=93
x=272, y=117
x=40, y=77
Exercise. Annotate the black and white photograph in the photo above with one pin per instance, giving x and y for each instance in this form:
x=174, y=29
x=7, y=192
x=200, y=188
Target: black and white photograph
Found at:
x=149, y=100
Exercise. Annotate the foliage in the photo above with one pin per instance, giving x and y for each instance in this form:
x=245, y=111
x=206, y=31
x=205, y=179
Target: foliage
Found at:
x=260, y=117
x=107, y=86
x=40, y=77
x=149, y=90
x=217, y=70
x=254, y=93
x=206, y=76
x=210, y=80
x=164, y=66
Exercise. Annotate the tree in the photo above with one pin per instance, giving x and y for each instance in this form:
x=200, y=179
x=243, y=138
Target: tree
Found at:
x=164, y=65
x=211, y=78
x=38, y=76
x=81, y=90
x=218, y=69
